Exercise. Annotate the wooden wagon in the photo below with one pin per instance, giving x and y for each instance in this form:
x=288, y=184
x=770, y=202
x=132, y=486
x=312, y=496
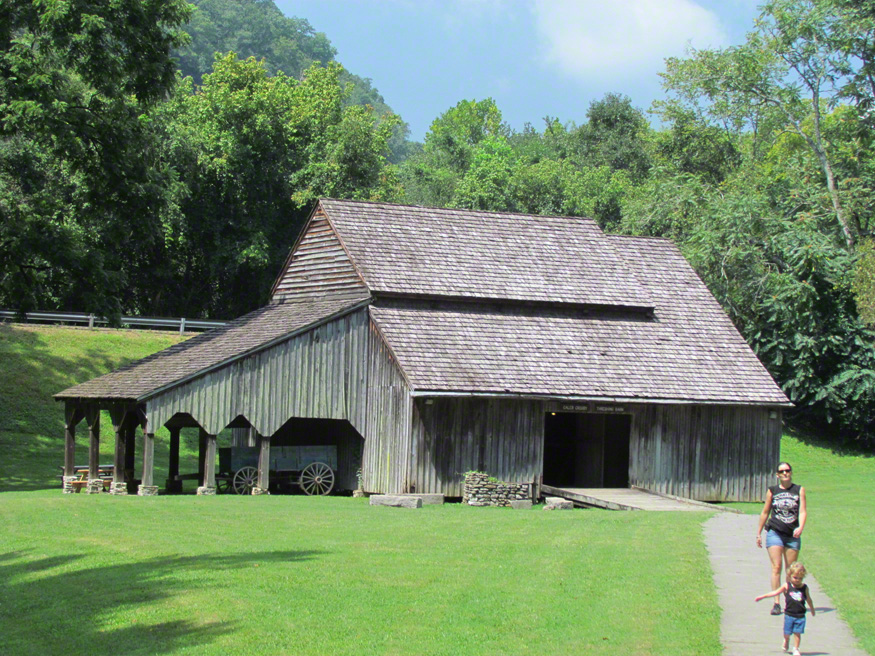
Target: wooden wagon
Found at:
x=309, y=467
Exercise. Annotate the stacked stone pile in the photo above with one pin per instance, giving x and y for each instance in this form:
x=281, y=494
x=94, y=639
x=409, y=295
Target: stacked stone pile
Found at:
x=480, y=490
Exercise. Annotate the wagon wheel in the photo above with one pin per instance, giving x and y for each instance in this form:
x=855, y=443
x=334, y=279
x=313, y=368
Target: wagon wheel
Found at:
x=316, y=478
x=245, y=479
x=223, y=485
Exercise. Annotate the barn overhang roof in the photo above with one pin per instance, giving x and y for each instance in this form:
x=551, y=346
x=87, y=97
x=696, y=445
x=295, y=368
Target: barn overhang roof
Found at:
x=251, y=333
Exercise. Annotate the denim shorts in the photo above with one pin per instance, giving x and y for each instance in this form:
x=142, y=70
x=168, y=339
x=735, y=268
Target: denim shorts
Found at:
x=794, y=624
x=775, y=539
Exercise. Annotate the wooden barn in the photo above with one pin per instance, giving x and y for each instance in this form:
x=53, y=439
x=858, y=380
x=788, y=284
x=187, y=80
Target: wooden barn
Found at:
x=423, y=343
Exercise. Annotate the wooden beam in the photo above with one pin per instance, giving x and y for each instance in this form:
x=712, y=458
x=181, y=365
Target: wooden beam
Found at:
x=92, y=420
x=130, y=466
x=147, y=488
x=263, y=465
x=173, y=485
x=73, y=414
x=118, y=414
x=209, y=484
x=201, y=455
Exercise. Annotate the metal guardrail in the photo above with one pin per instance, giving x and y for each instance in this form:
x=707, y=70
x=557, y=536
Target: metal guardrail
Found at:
x=81, y=317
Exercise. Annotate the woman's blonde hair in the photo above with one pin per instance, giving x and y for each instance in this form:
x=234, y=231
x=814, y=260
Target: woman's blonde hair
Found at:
x=796, y=568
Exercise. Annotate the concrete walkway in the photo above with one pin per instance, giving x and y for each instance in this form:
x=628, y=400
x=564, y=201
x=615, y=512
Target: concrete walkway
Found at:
x=741, y=572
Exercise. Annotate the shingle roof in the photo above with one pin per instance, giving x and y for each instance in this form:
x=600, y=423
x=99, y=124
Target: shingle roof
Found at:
x=207, y=350
x=460, y=253
x=689, y=350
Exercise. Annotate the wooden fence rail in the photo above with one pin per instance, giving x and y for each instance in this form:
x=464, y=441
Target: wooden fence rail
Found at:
x=91, y=320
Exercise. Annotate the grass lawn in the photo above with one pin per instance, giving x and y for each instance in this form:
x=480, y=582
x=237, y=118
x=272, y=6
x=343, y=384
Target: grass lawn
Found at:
x=313, y=575
x=303, y=575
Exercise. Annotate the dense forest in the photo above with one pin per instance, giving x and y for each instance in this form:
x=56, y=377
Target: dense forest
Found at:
x=158, y=158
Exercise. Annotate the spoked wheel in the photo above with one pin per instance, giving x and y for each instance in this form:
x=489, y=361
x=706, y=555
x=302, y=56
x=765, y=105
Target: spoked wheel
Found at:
x=316, y=478
x=245, y=479
x=223, y=485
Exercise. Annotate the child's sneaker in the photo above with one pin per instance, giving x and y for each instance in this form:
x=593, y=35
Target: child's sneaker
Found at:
x=796, y=652
x=785, y=646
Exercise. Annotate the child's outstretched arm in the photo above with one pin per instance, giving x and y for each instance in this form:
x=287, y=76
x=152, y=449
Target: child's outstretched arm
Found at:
x=773, y=593
x=810, y=603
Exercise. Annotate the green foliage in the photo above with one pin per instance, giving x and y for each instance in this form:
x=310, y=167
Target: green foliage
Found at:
x=863, y=284
x=257, y=28
x=81, y=186
x=614, y=136
x=251, y=151
x=251, y=28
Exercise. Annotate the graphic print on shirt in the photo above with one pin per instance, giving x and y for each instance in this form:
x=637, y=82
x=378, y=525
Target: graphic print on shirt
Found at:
x=785, y=506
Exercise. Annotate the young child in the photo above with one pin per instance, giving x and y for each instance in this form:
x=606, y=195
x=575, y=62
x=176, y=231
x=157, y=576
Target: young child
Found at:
x=795, y=596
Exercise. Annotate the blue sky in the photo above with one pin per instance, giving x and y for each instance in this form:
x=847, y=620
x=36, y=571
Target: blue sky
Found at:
x=535, y=58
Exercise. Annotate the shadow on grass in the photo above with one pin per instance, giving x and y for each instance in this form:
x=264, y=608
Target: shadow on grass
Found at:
x=50, y=607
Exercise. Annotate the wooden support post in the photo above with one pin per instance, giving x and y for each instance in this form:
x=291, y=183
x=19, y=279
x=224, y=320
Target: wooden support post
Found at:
x=118, y=414
x=130, y=437
x=173, y=485
x=263, y=483
x=209, y=484
x=72, y=415
x=201, y=456
x=92, y=419
x=147, y=489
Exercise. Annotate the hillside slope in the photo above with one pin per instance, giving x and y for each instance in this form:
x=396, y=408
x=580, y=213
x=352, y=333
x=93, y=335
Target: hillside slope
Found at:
x=39, y=361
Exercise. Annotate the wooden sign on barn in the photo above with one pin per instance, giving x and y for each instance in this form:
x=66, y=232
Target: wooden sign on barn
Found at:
x=423, y=343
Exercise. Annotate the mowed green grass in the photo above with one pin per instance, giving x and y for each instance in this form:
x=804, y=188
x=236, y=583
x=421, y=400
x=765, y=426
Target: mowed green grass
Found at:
x=332, y=575
x=303, y=575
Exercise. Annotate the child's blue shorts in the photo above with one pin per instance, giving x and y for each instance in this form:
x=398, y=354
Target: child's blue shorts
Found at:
x=793, y=624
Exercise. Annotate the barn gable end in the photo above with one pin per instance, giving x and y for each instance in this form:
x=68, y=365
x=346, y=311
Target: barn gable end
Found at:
x=318, y=266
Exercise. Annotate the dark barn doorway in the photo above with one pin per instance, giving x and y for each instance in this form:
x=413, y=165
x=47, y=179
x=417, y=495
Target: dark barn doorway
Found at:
x=583, y=449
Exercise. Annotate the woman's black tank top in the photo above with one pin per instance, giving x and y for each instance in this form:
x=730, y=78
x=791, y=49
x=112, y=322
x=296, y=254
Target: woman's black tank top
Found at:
x=784, y=517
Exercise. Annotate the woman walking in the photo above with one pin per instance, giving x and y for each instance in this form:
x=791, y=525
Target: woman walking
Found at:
x=784, y=514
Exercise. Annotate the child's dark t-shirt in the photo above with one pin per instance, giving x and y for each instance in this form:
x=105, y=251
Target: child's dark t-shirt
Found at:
x=794, y=600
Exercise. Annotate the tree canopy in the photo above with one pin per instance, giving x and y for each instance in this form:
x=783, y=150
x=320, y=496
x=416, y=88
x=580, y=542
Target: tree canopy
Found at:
x=129, y=186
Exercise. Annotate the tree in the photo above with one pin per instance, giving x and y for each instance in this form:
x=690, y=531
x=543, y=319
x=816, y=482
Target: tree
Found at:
x=251, y=152
x=614, y=136
x=787, y=71
x=430, y=176
x=81, y=188
x=251, y=28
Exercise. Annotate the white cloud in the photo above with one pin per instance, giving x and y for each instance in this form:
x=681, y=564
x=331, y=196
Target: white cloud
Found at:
x=605, y=39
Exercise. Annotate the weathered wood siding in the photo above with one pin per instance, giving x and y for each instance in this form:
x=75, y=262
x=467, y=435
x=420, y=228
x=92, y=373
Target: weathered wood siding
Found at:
x=387, y=425
x=340, y=370
x=318, y=374
x=705, y=452
x=319, y=266
x=502, y=437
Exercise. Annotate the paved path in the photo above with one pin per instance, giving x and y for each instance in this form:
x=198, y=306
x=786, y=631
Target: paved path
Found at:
x=741, y=572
